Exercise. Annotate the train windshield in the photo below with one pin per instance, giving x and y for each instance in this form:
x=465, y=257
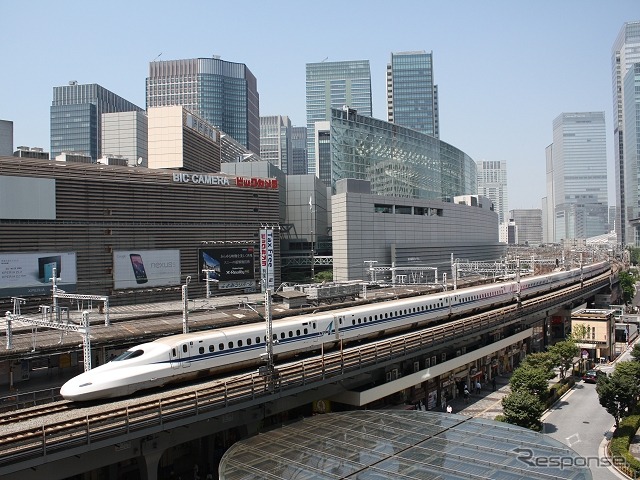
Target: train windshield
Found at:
x=129, y=354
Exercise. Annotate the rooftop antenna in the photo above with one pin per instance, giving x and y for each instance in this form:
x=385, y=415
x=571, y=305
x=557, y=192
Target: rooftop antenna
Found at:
x=157, y=57
x=325, y=59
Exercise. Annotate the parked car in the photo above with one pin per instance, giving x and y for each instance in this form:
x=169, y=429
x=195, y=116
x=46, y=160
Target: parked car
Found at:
x=591, y=376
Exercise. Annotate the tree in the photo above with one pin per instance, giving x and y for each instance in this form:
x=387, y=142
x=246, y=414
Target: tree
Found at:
x=635, y=353
x=543, y=361
x=627, y=284
x=617, y=394
x=579, y=332
x=563, y=353
x=522, y=408
x=634, y=254
x=533, y=380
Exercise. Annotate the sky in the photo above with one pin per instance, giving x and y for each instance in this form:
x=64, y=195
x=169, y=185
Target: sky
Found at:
x=504, y=68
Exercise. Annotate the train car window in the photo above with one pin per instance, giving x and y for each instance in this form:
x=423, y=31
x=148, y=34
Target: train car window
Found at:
x=128, y=355
x=248, y=341
x=174, y=352
x=370, y=318
x=353, y=322
x=221, y=346
x=290, y=334
x=305, y=331
x=275, y=336
x=258, y=339
x=282, y=335
x=359, y=320
x=340, y=321
x=239, y=343
x=375, y=317
x=184, y=348
x=297, y=333
x=230, y=344
x=211, y=348
x=314, y=324
x=201, y=350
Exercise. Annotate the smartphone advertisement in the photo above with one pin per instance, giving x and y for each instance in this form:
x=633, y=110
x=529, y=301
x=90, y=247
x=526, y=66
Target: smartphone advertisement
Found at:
x=230, y=267
x=30, y=274
x=146, y=268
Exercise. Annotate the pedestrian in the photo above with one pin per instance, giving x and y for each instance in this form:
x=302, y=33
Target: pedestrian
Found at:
x=478, y=387
x=449, y=409
x=493, y=383
x=466, y=394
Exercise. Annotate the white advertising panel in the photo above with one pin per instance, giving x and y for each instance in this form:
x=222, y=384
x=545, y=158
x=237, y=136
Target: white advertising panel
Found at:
x=29, y=274
x=146, y=268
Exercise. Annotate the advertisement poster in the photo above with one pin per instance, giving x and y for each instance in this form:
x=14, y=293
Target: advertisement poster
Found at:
x=230, y=267
x=29, y=274
x=267, y=273
x=146, y=268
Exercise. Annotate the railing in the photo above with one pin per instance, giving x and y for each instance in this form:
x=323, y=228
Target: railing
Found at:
x=115, y=422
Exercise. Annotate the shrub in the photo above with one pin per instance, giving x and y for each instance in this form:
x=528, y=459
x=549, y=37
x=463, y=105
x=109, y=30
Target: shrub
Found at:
x=619, y=445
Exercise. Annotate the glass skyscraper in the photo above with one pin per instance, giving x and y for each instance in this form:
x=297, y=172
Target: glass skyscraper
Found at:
x=76, y=117
x=631, y=88
x=579, y=173
x=398, y=161
x=412, y=97
x=334, y=85
x=298, y=151
x=275, y=141
x=224, y=94
x=625, y=53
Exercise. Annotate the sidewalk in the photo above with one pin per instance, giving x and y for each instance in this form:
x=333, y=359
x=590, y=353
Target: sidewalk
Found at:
x=486, y=404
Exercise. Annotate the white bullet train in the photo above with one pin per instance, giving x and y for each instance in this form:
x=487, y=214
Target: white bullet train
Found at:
x=182, y=357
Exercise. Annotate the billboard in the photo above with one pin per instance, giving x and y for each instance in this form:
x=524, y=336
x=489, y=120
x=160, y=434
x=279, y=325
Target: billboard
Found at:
x=266, y=259
x=146, y=268
x=231, y=267
x=29, y=274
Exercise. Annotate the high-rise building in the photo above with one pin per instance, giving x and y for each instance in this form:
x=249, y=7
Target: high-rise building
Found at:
x=275, y=141
x=625, y=53
x=412, y=97
x=6, y=138
x=334, y=85
x=529, y=225
x=298, y=151
x=631, y=153
x=492, y=183
x=579, y=166
x=224, y=94
x=125, y=134
x=76, y=117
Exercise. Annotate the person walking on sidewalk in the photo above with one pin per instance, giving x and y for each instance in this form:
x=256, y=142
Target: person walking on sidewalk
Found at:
x=478, y=387
x=466, y=394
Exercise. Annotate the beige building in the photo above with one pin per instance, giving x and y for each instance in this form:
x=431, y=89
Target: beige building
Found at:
x=598, y=336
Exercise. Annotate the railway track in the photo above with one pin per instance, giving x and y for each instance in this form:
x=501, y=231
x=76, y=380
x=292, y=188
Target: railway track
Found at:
x=83, y=426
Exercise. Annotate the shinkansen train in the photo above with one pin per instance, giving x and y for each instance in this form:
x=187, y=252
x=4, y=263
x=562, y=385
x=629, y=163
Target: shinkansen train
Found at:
x=182, y=357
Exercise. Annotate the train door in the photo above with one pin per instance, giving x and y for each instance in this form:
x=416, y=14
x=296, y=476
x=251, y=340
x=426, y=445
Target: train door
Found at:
x=175, y=357
x=185, y=355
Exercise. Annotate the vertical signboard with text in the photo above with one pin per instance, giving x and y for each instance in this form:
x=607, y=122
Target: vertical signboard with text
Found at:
x=266, y=259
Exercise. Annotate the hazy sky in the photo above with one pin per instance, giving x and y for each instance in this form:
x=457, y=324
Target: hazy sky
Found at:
x=504, y=68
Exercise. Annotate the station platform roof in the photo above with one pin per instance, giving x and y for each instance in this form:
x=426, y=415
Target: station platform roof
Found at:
x=368, y=444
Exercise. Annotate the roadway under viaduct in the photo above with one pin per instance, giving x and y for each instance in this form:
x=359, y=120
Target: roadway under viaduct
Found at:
x=137, y=436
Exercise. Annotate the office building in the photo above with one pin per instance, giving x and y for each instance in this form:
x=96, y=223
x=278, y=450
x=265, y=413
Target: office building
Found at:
x=322, y=148
x=298, y=151
x=398, y=161
x=632, y=147
x=625, y=53
x=334, y=85
x=492, y=183
x=509, y=233
x=224, y=94
x=6, y=137
x=275, y=141
x=412, y=97
x=579, y=178
x=76, y=117
x=529, y=225
x=179, y=139
x=125, y=134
